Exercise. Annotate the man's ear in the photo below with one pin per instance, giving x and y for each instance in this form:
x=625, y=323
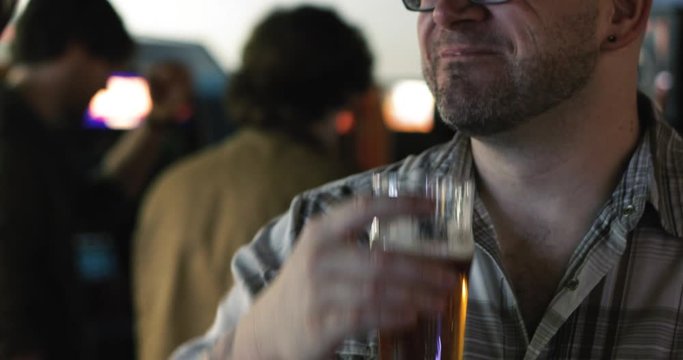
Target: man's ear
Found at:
x=628, y=21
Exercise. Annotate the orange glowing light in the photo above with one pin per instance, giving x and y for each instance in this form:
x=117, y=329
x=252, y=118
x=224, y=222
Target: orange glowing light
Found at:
x=344, y=122
x=409, y=107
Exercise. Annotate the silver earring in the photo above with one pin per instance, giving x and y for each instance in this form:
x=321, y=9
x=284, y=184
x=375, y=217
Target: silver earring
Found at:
x=612, y=38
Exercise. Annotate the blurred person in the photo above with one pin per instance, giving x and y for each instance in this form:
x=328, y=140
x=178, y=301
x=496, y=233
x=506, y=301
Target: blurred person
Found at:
x=302, y=70
x=132, y=160
x=577, y=223
x=59, y=64
x=6, y=12
x=63, y=53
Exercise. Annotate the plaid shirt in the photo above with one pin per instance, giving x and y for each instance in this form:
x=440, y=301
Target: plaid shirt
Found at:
x=621, y=296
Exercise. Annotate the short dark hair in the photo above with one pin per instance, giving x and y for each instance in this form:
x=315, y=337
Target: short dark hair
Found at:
x=47, y=27
x=297, y=66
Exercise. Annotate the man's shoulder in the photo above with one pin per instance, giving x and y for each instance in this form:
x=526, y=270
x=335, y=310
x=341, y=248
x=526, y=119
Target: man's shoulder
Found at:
x=667, y=152
x=17, y=119
x=436, y=158
x=666, y=192
x=667, y=138
x=194, y=169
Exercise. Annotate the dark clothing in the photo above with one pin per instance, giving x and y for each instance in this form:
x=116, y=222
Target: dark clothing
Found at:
x=43, y=204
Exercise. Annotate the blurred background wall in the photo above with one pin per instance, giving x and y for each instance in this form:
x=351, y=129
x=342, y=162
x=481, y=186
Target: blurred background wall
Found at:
x=223, y=25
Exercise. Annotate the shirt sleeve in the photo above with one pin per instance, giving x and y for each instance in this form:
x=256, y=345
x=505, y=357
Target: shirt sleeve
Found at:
x=257, y=264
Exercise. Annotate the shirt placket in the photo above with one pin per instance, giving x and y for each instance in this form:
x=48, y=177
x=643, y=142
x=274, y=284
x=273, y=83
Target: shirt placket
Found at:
x=578, y=285
x=510, y=340
x=602, y=248
x=599, y=252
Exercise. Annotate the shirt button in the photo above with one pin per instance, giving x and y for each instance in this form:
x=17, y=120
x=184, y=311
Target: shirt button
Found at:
x=629, y=210
x=572, y=284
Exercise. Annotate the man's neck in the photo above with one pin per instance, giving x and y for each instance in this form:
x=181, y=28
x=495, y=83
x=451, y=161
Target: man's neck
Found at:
x=566, y=161
x=575, y=151
x=543, y=185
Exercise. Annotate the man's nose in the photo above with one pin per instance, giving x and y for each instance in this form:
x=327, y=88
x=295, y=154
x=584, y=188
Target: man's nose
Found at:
x=449, y=13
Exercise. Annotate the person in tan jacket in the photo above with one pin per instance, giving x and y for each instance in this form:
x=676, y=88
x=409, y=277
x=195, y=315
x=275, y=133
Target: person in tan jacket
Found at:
x=302, y=70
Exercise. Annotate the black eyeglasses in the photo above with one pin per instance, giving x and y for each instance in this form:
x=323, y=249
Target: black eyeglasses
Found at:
x=428, y=5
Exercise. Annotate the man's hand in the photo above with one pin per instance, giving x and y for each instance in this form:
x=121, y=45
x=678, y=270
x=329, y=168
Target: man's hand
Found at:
x=331, y=288
x=170, y=86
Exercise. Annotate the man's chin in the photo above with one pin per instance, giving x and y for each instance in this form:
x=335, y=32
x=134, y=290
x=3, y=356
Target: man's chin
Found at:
x=479, y=126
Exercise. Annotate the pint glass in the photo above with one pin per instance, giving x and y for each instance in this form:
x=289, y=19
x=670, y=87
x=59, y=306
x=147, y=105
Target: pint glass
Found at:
x=445, y=236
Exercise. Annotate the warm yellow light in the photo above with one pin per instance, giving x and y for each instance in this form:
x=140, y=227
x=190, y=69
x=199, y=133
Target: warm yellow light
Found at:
x=463, y=316
x=123, y=104
x=409, y=107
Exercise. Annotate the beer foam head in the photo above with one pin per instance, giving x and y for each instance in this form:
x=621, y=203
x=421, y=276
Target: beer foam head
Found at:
x=405, y=235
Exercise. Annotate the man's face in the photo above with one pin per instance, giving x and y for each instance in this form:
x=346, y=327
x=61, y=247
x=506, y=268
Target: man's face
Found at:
x=89, y=74
x=6, y=11
x=491, y=67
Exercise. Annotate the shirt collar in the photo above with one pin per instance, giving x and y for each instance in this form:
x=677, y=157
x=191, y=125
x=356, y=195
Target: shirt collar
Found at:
x=666, y=179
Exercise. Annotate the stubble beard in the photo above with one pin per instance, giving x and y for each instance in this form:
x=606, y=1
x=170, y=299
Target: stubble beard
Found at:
x=524, y=88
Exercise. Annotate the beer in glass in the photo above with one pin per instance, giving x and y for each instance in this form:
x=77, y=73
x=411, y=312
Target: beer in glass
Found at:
x=444, y=237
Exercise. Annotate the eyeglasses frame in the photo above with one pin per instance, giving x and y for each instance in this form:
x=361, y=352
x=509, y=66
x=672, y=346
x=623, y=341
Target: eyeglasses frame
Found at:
x=480, y=2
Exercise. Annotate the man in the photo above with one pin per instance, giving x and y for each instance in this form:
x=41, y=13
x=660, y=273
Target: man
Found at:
x=577, y=219
x=204, y=208
x=63, y=53
x=60, y=62
x=6, y=11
